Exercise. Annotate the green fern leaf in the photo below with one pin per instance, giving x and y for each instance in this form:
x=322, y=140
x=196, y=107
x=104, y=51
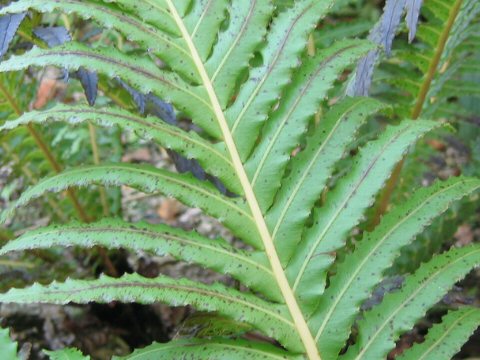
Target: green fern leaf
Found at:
x=8, y=346
x=210, y=349
x=167, y=47
x=186, y=188
x=311, y=169
x=418, y=74
x=236, y=45
x=460, y=29
x=213, y=158
x=274, y=320
x=302, y=100
x=252, y=269
x=362, y=270
x=239, y=70
x=444, y=340
x=345, y=206
x=139, y=72
x=202, y=22
x=287, y=39
x=154, y=14
x=400, y=310
x=66, y=354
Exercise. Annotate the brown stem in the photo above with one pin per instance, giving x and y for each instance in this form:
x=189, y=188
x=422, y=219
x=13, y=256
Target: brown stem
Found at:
x=109, y=267
x=417, y=111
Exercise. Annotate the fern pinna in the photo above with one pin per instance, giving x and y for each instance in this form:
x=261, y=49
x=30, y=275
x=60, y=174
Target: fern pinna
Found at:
x=424, y=76
x=253, y=115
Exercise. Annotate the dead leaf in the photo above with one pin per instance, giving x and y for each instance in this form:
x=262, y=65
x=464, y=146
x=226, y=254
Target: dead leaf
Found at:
x=464, y=235
x=142, y=154
x=169, y=209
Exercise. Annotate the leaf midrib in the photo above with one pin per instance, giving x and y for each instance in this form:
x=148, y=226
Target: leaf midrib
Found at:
x=200, y=19
x=280, y=276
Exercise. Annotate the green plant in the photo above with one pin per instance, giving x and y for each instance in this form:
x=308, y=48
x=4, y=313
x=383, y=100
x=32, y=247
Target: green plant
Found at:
x=241, y=73
x=421, y=75
x=431, y=77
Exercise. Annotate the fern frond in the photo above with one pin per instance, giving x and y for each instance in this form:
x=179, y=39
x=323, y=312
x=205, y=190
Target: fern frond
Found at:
x=9, y=27
x=139, y=72
x=8, y=346
x=400, y=310
x=345, y=207
x=311, y=169
x=383, y=33
x=445, y=339
x=419, y=72
x=239, y=71
x=461, y=29
x=274, y=320
x=329, y=33
x=232, y=212
x=167, y=47
x=286, y=41
x=360, y=271
x=236, y=45
x=215, y=349
x=213, y=158
x=156, y=13
x=252, y=269
x=300, y=102
x=203, y=22
x=66, y=354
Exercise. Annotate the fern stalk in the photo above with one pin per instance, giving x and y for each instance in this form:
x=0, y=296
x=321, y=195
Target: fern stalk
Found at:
x=291, y=302
x=432, y=69
x=417, y=110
